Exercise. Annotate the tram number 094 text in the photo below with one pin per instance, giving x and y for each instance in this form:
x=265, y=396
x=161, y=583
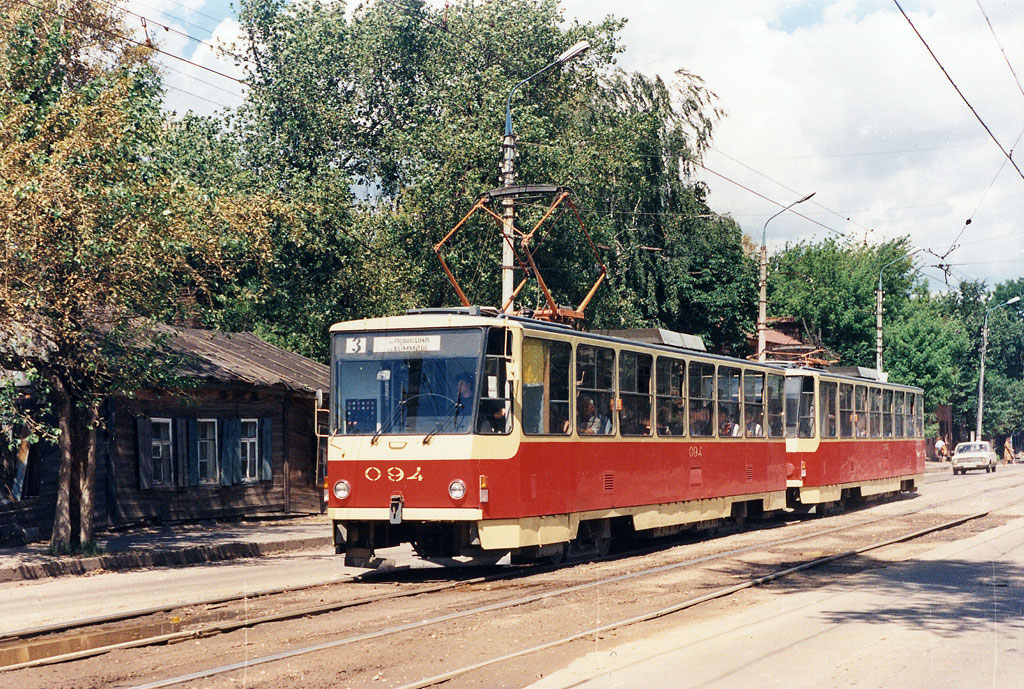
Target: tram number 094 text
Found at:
x=393, y=474
x=695, y=450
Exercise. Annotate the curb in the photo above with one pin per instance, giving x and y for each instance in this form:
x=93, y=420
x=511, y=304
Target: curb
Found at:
x=178, y=557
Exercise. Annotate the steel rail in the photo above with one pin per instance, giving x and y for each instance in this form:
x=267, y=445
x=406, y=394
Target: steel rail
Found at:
x=202, y=674
x=683, y=605
x=225, y=627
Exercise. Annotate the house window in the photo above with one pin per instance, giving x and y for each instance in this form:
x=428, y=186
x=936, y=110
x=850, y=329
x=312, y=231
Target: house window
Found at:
x=249, y=449
x=207, y=450
x=161, y=449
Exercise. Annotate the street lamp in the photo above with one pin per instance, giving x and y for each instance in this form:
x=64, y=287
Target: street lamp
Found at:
x=763, y=300
x=878, y=311
x=508, y=175
x=984, y=346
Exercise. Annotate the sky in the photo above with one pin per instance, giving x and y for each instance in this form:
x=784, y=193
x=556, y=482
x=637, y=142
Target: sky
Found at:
x=836, y=97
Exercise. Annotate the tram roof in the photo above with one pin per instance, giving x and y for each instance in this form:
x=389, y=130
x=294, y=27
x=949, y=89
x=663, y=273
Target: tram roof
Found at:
x=477, y=316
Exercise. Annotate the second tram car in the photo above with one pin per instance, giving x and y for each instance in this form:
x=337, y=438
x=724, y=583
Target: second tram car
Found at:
x=467, y=433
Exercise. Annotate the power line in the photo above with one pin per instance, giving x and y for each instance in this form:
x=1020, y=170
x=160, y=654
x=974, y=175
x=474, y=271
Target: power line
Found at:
x=996, y=38
x=760, y=195
x=129, y=40
x=190, y=9
x=897, y=151
x=953, y=246
x=167, y=28
x=959, y=92
x=176, y=17
x=794, y=191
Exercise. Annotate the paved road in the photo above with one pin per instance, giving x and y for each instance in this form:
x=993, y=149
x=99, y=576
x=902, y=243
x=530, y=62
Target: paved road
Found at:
x=952, y=618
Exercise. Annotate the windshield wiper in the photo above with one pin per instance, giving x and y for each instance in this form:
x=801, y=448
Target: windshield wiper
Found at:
x=391, y=422
x=453, y=415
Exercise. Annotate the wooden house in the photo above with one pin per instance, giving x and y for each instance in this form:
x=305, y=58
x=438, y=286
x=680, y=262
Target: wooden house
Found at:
x=238, y=442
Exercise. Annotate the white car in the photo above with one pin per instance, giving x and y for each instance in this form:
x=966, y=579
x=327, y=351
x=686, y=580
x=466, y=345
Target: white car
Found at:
x=973, y=455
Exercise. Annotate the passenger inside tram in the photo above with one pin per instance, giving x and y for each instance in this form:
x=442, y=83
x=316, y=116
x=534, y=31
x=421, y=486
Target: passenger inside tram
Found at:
x=590, y=422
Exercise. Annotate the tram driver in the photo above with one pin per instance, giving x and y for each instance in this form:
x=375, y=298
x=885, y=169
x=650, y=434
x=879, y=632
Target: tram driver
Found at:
x=491, y=414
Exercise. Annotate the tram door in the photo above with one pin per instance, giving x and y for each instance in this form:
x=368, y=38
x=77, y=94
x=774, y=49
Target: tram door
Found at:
x=801, y=430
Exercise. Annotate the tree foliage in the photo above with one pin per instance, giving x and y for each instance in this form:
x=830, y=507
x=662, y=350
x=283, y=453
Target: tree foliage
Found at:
x=385, y=125
x=102, y=235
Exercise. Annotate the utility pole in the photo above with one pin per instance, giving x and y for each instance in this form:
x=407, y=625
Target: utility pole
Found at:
x=762, y=301
x=508, y=215
x=508, y=178
x=981, y=371
x=878, y=310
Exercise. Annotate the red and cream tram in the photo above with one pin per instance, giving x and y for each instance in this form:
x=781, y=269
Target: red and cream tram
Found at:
x=468, y=433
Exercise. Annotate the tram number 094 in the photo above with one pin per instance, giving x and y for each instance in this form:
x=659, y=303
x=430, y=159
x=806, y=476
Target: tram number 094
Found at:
x=695, y=450
x=393, y=474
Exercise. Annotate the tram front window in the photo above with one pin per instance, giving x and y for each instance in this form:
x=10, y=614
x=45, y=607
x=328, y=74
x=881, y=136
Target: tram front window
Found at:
x=416, y=382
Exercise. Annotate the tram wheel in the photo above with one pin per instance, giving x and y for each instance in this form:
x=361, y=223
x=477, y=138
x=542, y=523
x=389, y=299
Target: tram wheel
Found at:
x=558, y=556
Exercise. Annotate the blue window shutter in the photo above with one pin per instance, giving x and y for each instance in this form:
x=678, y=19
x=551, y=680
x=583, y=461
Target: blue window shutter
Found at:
x=236, y=459
x=266, y=471
x=193, y=452
x=145, y=453
x=181, y=453
x=231, y=457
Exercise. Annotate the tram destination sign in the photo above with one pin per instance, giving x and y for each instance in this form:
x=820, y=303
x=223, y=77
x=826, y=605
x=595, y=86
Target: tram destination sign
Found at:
x=407, y=343
x=410, y=344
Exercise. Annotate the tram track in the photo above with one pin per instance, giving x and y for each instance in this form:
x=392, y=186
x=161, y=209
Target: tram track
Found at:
x=577, y=589
x=222, y=627
x=160, y=626
x=363, y=577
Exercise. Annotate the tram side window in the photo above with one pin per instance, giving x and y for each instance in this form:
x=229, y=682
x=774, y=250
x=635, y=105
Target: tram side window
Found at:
x=846, y=413
x=897, y=418
x=635, y=391
x=729, y=402
x=671, y=402
x=909, y=429
x=876, y=412
x=800, y=407
x=828, y=409
x=546, y=371
x=920, y=416
x=887, y=413
x=775, y=403
x=595, y=377
x=860, y=416
x=702, y=399
x=753, y=404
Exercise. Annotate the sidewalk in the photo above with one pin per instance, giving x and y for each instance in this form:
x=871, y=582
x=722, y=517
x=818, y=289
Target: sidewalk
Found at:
x=171, y=546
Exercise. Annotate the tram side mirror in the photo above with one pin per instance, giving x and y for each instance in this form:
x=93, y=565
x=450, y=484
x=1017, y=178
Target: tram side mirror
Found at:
x=319, y=398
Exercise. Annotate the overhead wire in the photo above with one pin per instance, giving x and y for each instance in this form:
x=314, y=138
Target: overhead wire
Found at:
x=1001, y=49
x=126, y=39
x=790, y=189
x=959, y=92
x=166, y=27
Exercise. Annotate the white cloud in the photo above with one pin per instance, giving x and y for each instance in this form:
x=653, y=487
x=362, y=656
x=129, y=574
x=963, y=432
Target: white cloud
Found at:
x=841, y=98
x=183, y=30
x=833, y=96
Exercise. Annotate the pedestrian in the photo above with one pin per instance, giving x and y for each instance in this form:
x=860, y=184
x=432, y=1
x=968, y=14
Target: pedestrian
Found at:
x=1008, y=450
x=940, y=449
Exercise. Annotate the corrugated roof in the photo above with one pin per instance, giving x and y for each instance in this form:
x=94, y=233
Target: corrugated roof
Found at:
x=245, y=358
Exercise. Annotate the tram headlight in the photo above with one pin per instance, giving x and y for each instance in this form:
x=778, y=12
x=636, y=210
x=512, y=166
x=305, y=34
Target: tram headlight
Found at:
x=457, y=489
x=342, y=490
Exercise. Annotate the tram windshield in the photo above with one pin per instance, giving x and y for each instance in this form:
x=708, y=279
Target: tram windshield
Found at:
x=413, y=382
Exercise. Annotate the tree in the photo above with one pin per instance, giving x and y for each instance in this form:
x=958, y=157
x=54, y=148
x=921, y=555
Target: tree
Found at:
x=103, y=237
x=830, y=287
x=386, y=123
